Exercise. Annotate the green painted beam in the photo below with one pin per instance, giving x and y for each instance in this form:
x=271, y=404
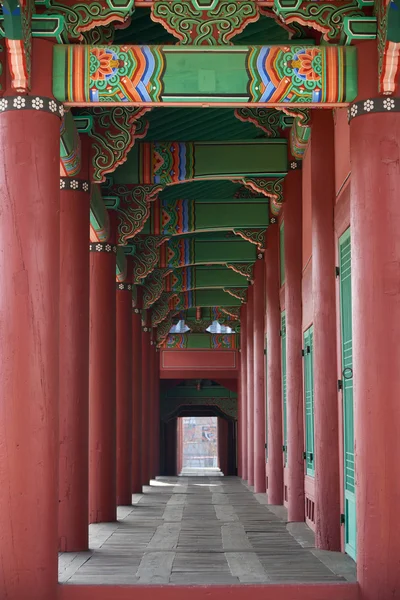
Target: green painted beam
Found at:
x=171, y=162
x=189, y=216
x=182, y=75
x=206, y=277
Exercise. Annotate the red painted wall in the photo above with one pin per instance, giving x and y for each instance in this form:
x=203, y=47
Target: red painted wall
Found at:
x=307, y=206
x=342, y=149
x=199, y=364
x=342, y=222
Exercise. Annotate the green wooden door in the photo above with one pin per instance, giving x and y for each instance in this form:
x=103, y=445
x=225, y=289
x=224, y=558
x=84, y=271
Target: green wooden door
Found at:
x=347, y=381
x=309, y=399
x=284, y=391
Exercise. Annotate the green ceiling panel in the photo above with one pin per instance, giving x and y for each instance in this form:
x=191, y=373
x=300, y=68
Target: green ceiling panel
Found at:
x=215, y=297
x=196, y=190
x=192, y=124
x=212, y=276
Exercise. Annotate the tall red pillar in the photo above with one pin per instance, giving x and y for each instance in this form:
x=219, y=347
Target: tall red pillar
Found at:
x=145, y=445
x=124, y=393
x=243, y=387
x=156, y=467
x=294, y=344
x=29, y=339
x=102, y=384
x=151, y=402
x=250, y=386
x=259, y=383
x=326, y=435
x=73, y=519
x=136, y=400
x=375, y=258
x=239, y=449
x=274, y=376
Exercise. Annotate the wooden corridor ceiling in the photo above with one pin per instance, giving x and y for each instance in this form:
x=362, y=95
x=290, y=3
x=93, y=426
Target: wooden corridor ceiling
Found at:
x=190, y=249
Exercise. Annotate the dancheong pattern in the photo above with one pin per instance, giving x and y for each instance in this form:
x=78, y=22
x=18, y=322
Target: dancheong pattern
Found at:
x=149, y=74
x=181, y=280
x=167, y=163
x=114, y=73
x=204, y=24
x=295, y=74
x=177, y=253
x=177, y=217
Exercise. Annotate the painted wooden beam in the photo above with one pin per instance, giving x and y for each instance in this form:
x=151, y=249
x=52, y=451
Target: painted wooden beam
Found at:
x=189, y=75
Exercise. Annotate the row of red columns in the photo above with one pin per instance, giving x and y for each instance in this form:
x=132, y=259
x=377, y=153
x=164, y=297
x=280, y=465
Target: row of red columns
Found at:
x=71, y=386
x=264, y=298
x=375, y=226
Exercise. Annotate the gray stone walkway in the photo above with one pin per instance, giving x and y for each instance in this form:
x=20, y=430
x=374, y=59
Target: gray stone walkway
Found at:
x=201, y=530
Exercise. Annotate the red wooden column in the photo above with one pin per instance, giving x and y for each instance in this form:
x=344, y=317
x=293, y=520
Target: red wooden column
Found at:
x=243, y=387
x=102, y=384
x=239, y=449
x=250, y=386
x=375, y=256
x=151, y=402
x=73, y=516
x=274, y=376
x=294, y=343
x=145, y=443
x=259, y=383
x=124, y=393
x=156, y=468
x=326, y=440
x=29, y=340
x=136, y=400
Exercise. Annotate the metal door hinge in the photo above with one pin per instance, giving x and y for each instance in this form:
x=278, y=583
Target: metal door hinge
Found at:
x=302, y=352
x=308, y=350
x=342, y=519
x=305, y=455
x=339, y=385
x=337, y=271
x=284, y=448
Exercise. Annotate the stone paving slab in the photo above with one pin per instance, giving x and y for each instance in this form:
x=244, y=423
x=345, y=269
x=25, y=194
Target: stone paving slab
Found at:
x=201, y=530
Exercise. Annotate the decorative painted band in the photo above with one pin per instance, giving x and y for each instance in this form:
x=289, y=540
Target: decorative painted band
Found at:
x=295, y=164
x=98, y=247
x=70, y=184
x=124, y=287
x=39, y=103
x=373, y=105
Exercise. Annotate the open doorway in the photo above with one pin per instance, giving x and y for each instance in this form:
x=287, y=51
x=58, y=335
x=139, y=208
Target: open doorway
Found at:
x=199, y=445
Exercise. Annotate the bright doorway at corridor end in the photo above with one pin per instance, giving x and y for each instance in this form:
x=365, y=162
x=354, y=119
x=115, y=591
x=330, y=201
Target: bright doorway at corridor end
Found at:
x=198, y=446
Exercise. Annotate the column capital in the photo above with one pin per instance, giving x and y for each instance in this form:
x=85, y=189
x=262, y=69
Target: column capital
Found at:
x=99, y=247
x=36, y=103
x=72, y=184
x=123, y=287
x=381, y=104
